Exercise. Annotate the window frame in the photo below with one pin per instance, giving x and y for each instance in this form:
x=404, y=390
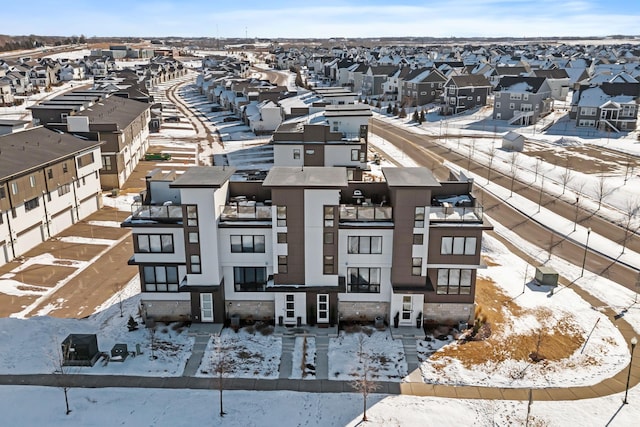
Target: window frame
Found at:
x=248, y=243
x=165, y=286
x=365, y=282
x=364, y=245
x=454, y=281
x=249, y=286
x=165, y=247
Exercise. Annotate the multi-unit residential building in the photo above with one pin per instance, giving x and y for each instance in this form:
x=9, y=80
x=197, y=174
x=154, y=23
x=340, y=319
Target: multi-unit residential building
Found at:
x=122, y=124
x=307, y=246
x=338, y=138
x=609, y=106
x=462, y=93
x=522, y=100
x=48, y=181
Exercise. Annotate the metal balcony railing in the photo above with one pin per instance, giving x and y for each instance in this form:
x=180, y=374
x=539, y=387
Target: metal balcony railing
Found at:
x=365, y=213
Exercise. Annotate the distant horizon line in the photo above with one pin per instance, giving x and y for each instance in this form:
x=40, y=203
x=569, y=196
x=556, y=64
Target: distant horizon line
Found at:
x=609, y=36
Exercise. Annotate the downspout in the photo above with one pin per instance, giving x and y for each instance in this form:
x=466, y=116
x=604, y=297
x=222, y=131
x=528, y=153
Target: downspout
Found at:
x=13, y=249
x=75, y=197
x=46, y=214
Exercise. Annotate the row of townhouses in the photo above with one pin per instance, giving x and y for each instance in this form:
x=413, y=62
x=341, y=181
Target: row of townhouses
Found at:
x=54, y=168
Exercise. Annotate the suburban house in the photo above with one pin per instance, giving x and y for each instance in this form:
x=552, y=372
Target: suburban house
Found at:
x=522, y=100
x=609, y=107
x=122, y=124
x=374, y=79
x=558, y=81
x=422, y=86
x=462, y=93
x=336, y=137
x=307, y=246
x=48, y=181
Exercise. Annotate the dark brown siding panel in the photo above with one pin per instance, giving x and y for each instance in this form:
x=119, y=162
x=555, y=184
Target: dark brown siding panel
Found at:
x=293, y=199
x=314, y=155
x=404, y=202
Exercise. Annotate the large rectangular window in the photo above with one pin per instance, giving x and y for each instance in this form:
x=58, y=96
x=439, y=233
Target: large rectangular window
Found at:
x=454, y=281
x=63, y=189
x=250, y=279
x=247, y=243
x=365, y=245
x=155, y=243
x=363, y=279
x=160, y=278
x=458, y=246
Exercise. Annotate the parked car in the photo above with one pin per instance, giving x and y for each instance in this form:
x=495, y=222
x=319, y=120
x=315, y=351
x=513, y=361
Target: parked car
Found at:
x=172, y=119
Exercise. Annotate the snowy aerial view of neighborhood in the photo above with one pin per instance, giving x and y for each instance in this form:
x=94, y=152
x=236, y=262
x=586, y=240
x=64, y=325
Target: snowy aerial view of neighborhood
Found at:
x=341, y=214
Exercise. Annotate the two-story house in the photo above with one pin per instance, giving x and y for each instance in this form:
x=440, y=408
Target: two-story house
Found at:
x=522, y=100
x=462, y=93
x=609, y=107
x=307, y=246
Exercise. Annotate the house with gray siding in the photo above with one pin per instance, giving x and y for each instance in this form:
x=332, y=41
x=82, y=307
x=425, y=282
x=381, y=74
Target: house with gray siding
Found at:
x=462, y=93
x=610, y=106
x=522, y=100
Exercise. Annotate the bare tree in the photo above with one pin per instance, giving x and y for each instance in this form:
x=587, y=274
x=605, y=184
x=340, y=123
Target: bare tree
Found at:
x=631, y=209
x=118, y=286
x=364, y=384
x=492, y=155
x=62, y=371
x=541, y=193
x=536, y=169
x=221, y=365
x=566, y=177
x=579, y=190
x=629, y=167
x=513, y=168
x=152, y=340
x=602, y=188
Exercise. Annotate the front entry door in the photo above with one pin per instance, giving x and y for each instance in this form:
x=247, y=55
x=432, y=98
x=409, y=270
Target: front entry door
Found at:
x=206, y=308
x=407, y=310
x=289, y=309
x=323, y=308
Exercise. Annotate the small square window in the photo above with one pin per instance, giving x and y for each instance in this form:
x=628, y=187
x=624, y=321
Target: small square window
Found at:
x=416, y=266
x=282, y=237
x=418, y=239
x=193, y=237
x=328, y=238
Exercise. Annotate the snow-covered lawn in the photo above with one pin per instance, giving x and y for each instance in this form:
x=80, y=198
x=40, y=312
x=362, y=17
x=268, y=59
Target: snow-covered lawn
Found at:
x=575, y=344
x=249, y=353
x=385, y=355
x=30, y=346
x=166, y=408
x=306, y=369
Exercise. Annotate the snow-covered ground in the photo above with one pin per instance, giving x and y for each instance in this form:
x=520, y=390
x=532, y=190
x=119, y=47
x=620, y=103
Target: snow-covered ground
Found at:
x=385, y=356
x=166, y=408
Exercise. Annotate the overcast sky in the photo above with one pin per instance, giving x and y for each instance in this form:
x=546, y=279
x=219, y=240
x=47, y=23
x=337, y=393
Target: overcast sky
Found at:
x=322, y=18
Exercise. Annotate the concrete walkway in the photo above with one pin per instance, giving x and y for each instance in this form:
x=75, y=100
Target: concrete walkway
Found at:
x=202, y=333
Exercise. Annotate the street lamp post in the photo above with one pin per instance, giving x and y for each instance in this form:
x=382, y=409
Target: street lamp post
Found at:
x=586, y=248
x=634, y=341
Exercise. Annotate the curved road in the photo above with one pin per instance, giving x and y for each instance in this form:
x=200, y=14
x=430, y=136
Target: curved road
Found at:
x=425, y=151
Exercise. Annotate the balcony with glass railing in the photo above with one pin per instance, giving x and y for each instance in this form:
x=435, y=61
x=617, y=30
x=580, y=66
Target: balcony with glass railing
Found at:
x=167, y=213
x=364, y=213
x=248, y=212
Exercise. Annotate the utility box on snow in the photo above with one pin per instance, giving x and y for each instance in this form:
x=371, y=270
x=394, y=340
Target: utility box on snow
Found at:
x=546, y=276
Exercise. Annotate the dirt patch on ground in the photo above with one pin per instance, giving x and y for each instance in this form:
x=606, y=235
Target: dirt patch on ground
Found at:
x=553, y=340
x=584, y=158
x=43, y=275
x=84, y=229
x=66, y=250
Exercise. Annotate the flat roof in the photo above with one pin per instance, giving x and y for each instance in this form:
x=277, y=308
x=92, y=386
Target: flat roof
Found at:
x=321, y=177
x=204, y=177
x=410, y=177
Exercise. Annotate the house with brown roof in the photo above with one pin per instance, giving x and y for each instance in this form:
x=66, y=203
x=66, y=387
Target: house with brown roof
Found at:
x=48, y=181
x=122, y=124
